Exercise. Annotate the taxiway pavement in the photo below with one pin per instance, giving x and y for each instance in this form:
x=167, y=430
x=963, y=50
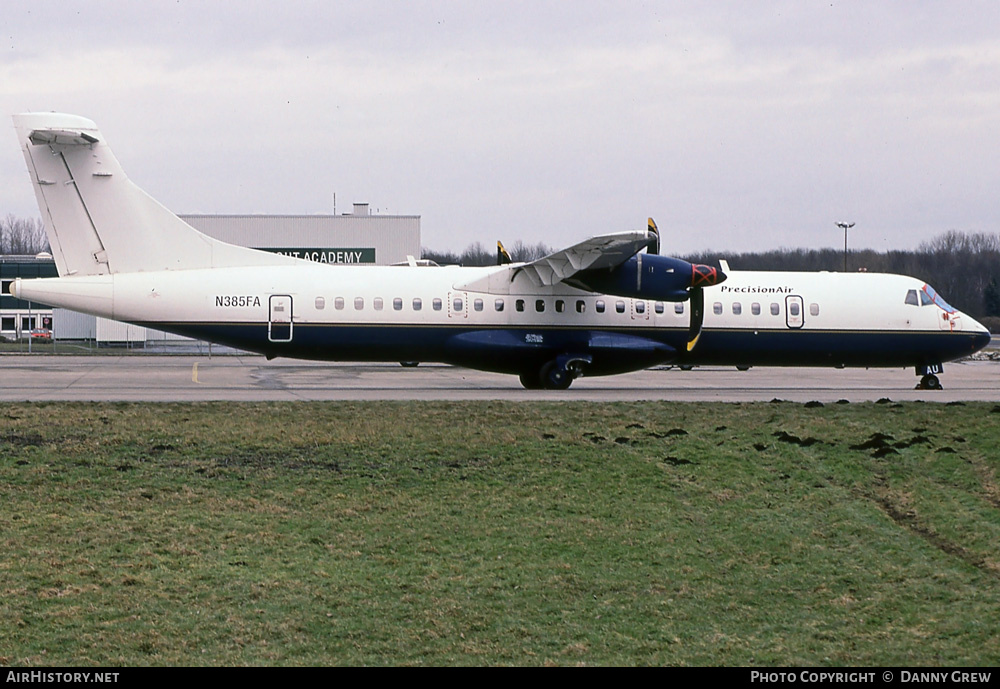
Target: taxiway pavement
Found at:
x=252, y=378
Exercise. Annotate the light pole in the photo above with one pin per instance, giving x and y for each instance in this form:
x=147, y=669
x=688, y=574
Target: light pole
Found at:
x=845, y=226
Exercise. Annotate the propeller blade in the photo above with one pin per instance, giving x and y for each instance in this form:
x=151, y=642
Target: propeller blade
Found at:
x=503, y=258
x=654, y=241
x=697, y=316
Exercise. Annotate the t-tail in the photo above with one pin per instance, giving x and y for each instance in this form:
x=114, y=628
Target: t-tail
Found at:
x=97, y=221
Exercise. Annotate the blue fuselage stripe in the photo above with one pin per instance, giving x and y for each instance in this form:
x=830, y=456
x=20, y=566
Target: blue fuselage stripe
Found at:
x=512, y=350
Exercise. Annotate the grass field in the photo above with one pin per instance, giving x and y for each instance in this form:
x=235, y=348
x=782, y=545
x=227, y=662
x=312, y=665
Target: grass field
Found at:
x=500, y=533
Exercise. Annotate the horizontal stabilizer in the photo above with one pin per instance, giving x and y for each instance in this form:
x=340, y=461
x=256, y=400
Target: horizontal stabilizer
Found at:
x=61, y=137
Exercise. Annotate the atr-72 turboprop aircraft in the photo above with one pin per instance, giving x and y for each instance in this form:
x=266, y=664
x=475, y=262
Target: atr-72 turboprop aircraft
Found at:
x=607, y=305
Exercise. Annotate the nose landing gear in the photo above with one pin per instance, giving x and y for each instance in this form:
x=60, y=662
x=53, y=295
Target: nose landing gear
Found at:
x=928, y=377
x=929, y=382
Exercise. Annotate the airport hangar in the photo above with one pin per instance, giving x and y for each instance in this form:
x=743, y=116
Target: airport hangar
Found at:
x=359, y=237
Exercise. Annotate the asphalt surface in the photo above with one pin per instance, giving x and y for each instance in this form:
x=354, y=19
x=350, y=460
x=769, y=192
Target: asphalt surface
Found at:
x=251, y=378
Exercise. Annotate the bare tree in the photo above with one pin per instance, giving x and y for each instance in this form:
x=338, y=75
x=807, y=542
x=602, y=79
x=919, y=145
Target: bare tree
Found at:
x=478, y=255
x=23, y=236
x=519, y=251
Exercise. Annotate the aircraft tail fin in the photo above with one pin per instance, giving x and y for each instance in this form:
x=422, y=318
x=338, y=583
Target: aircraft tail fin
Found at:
x=97, y=220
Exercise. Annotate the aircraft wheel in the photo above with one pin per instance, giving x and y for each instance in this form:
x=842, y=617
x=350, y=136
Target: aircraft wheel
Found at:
x=530, y=380
x=930, y=382
x=555, y=377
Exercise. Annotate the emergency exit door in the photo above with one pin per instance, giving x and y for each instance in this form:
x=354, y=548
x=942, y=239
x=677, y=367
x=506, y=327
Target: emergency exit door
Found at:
x=794, y=316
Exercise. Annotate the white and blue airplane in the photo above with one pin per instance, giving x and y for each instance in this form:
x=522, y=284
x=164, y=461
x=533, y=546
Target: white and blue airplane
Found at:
x=607, y=305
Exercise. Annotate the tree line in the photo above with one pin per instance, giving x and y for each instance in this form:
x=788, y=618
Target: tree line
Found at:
x=964, y=268
x=478, y=255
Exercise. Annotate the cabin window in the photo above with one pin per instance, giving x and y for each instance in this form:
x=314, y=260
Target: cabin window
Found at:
x=359, y=303
x=498, y=304
x=737, y=308
x=539, y=305
x=717, y=308
x=755, y=308
x=911, y=298
x=456, y=304
x=581, y=306
x=599, y=306
x=658, y=307
x=320, y=303
x=519, y=305
x=640, y=307
x=397, y=304
x=377, y=303
x=338, y=303
x=775, y=309
x=560, y=306
x=436, y=304
x=814, y=309
x=418, y=303
x=679, y=308
x=793, y=308
x=620, y=306
x=478, y=304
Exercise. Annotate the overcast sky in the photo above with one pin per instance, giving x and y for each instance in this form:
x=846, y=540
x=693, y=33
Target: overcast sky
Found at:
x=737, y=126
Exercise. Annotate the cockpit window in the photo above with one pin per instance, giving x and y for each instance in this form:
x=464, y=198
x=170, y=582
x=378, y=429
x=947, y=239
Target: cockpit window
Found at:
x=929, y=292
x=925, y=297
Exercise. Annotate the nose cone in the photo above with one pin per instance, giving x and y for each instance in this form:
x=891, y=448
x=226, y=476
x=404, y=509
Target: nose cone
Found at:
x=705, y=276
x=980, y=337
x=980, y=334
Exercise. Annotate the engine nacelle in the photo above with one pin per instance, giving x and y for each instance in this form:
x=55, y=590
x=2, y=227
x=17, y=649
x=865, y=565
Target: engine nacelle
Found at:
x=648, y=276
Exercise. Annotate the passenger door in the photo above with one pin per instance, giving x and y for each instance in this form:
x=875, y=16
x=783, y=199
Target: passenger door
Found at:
x=279, y=323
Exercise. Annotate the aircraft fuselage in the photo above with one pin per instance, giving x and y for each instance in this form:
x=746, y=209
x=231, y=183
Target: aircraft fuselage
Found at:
x=428, y=314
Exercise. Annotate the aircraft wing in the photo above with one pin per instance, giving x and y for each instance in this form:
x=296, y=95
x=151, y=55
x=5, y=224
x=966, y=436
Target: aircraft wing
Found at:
x=604, y=251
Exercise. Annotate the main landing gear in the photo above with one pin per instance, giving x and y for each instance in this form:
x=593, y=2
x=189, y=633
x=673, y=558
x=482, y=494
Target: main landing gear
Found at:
x=557, y=374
